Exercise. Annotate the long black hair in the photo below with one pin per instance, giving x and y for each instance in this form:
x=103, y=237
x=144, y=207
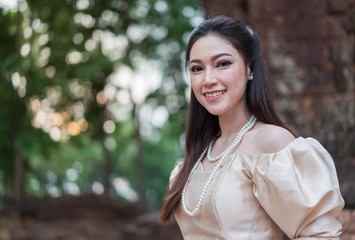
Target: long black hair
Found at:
x=202, y=126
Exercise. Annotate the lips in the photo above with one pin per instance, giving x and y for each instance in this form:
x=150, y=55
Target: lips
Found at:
x=214, y=94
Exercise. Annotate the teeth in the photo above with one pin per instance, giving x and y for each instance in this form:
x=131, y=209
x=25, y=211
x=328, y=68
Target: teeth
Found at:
x=214, y=94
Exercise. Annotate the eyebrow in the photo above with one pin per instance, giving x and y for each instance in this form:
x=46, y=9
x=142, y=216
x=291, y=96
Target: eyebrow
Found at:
x=212, y=58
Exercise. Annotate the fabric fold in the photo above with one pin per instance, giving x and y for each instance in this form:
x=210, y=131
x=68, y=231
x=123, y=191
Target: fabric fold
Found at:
x=259, y=197
x=297, y=187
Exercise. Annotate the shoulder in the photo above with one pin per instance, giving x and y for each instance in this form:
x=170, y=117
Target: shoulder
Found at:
x=175, y=171
x=267, y=138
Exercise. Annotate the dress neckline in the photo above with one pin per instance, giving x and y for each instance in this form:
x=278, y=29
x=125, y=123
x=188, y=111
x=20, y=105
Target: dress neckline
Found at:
x=288, y=146
x=235, y=154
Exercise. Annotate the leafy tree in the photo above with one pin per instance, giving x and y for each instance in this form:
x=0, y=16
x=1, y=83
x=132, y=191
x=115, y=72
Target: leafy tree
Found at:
x=92, y=93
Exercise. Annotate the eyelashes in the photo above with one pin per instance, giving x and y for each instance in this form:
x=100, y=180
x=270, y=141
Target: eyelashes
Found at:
x=195, y=69
x=221, y=64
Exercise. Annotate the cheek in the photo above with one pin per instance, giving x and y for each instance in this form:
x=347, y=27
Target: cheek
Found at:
x=195, y=84
x=237, y=77
x=238, y=72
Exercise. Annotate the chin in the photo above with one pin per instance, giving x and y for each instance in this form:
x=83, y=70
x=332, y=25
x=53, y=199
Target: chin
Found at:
x=214, y=112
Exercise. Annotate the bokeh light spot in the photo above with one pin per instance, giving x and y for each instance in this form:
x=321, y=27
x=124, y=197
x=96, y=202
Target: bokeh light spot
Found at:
x=109, y=126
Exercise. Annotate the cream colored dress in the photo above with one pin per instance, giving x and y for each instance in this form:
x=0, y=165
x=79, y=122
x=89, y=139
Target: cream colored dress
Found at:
x=294, y=191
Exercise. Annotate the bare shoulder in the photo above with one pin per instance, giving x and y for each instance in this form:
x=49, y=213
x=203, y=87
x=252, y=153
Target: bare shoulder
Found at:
x=267, y=138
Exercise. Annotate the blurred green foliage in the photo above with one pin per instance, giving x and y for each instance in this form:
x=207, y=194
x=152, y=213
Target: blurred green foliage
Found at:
x=92, y=96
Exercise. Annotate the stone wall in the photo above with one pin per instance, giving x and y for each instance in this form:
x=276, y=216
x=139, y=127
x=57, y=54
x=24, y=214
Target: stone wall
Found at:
x=309, y=47
x=97, y=218
x=347, y=218
x=88, y=217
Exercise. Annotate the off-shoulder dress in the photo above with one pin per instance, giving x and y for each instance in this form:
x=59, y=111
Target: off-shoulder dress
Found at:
x=260, y=197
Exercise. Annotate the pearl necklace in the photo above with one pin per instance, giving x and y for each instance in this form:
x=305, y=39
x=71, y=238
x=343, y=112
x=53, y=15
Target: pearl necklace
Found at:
x=239, y=137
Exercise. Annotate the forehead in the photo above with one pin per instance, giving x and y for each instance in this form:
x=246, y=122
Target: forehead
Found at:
x=211, y=45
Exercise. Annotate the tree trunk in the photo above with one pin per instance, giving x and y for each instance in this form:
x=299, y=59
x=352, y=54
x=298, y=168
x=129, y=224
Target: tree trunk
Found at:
x=19, y=177
x=139, y=169
x=107, y=167
x=18, y=28
x=18, y=182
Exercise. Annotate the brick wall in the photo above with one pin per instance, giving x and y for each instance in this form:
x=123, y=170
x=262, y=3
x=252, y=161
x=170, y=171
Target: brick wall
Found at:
x=309, y=47
x=88, y=217
x=94, y=217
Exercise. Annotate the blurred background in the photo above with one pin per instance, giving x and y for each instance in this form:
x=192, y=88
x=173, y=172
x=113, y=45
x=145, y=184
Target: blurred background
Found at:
x=94, y=96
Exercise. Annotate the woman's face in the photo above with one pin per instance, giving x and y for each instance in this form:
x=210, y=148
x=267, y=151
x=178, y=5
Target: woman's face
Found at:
x=218, y=75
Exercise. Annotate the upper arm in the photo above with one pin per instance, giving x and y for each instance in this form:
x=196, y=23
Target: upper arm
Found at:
x=174, y=173
x=299, y=190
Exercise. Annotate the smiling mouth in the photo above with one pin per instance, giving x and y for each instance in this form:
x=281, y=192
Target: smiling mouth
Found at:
x=214, y=94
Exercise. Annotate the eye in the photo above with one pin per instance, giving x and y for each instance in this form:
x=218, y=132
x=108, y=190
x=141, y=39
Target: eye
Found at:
x=223, y=64
x=196, y=69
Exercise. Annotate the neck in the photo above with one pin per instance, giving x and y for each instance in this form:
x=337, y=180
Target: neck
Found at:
x=231, y=124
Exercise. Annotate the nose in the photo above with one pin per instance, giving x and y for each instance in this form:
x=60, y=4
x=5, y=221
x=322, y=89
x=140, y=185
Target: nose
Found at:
x=210, y=78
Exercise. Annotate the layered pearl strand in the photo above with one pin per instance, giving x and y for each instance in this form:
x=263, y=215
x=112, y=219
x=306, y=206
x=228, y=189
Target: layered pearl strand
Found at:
x=221, y=158
x=239, y=137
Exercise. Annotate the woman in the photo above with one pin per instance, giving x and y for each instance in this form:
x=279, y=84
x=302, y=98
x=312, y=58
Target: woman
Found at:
x=245, y=174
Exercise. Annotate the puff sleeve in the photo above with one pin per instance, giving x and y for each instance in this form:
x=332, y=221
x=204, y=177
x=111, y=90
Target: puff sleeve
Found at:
x=174, y=173
x=298, y=188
